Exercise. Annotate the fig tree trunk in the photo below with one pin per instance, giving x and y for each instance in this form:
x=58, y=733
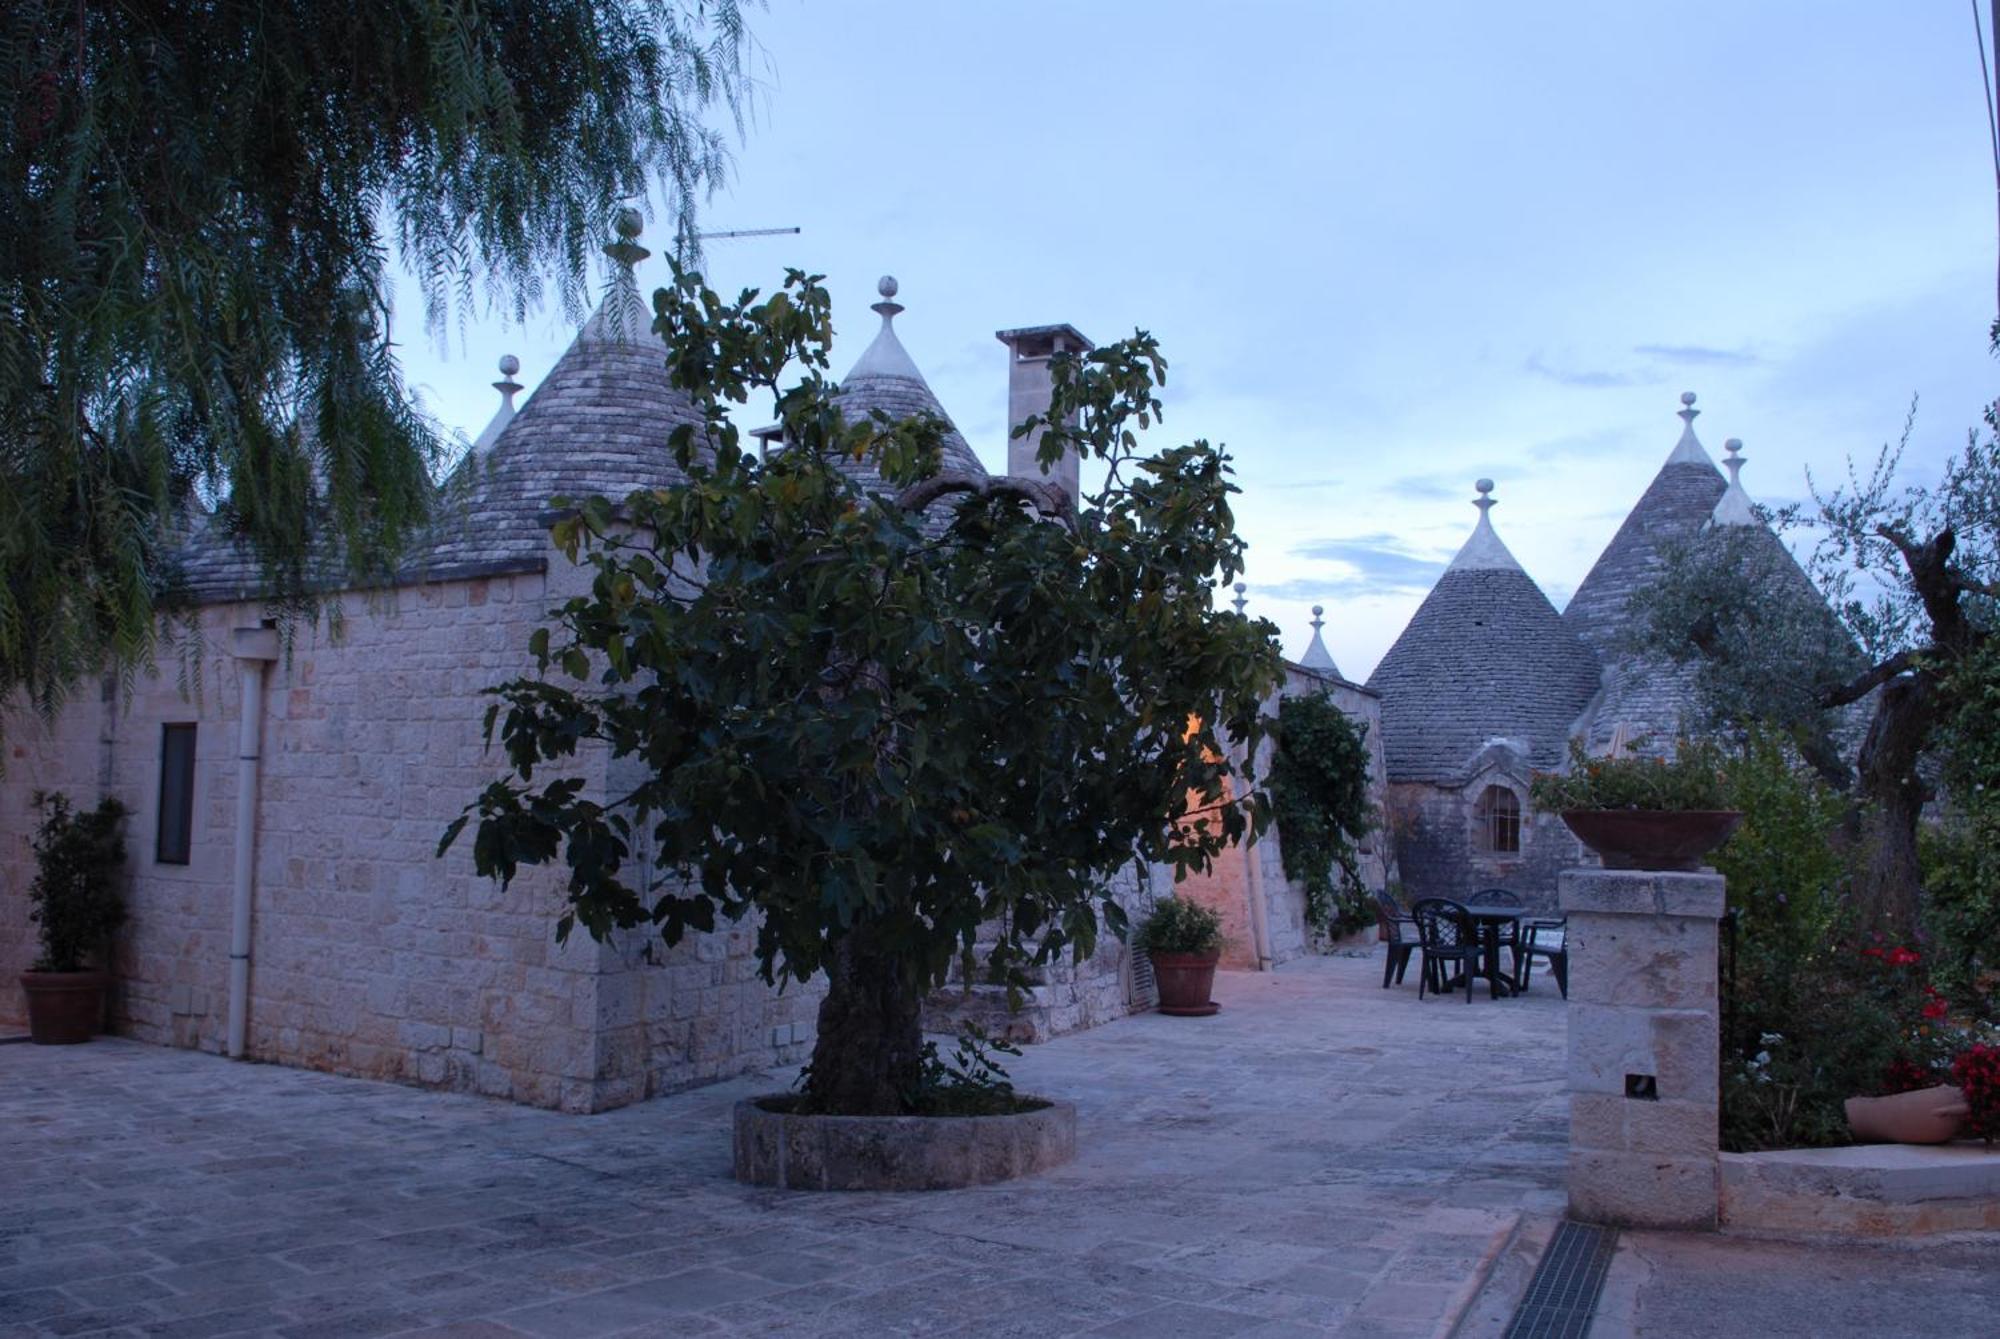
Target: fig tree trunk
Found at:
x=868, y=1060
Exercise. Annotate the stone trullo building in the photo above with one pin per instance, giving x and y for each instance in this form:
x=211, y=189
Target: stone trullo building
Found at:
x=309, y=789
x=1488, y=683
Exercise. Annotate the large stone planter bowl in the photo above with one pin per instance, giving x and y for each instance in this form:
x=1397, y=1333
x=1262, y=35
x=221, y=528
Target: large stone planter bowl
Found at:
x=1656, y=839
x=64, y=1008
x=1925, y=1116
x=775, y=1147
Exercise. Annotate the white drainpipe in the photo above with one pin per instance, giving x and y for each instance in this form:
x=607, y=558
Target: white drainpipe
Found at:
x=254, y=648
x=1260, y=928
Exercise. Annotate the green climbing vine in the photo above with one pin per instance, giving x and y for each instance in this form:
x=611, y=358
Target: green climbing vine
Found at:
x=1319, y=800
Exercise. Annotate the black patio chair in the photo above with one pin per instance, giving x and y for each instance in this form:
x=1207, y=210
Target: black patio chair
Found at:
x=1548, y=940
x=1399, y=934
x=1509, y=935
x=1446, y=936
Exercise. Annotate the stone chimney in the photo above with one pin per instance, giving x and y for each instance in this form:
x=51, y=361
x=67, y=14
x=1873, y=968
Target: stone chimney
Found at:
x=1028, y=383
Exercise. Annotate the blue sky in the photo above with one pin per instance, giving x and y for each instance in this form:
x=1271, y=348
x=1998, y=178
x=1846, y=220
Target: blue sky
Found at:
x=1389, y=249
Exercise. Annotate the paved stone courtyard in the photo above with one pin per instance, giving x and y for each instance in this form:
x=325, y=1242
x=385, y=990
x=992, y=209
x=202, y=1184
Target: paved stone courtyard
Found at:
x=1323, y=1156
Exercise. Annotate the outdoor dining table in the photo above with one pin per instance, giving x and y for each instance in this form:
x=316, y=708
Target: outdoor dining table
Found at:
x=1487, y=922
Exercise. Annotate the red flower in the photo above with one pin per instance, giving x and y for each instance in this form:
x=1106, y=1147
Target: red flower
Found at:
x=1871, y=952
x=1903, y=957
x=1935, y=1008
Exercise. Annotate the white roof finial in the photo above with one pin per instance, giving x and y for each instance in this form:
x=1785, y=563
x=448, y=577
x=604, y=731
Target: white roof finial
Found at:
x=1484, y=501
x=886, y=357
x=1484, y=549
x=1317, y=657
x=1734, y=507
x=626, y=251
x=507, y=386
x=888, y=306
x=1241, y=599
x=1688, y=450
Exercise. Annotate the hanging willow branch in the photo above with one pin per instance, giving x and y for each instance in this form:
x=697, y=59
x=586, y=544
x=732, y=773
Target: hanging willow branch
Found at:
x=197, y=207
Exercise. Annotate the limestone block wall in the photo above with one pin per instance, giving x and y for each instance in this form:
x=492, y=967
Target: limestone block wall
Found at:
x=370, y=955
x=1439, y=854
x=1284, y=902
x=60, y=755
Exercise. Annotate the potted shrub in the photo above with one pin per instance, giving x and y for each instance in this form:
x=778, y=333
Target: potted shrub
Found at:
x=79, y=858
x=1184, y=940
x=1643, y=813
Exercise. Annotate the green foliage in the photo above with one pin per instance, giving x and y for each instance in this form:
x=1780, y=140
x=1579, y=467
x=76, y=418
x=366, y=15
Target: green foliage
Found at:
x=79, y=869
x=1961, y=863
x=1177, y=925
x=869, y=734
x=1691, y=780
x=197, y=205
x=972, y=1082
x=1814, y=1010
x=1319, y=801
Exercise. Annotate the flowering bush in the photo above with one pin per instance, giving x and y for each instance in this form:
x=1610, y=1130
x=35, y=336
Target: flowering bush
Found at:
x=1977, y=1073
x=1692, y=779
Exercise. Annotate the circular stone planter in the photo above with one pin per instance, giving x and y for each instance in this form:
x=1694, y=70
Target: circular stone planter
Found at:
x=776, y=1148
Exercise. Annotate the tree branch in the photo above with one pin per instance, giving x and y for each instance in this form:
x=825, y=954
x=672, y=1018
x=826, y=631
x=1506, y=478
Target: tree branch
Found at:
x=1868, y=680
x=1044, y=495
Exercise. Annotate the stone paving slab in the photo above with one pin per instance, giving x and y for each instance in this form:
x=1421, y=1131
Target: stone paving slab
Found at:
x=1322, y=1157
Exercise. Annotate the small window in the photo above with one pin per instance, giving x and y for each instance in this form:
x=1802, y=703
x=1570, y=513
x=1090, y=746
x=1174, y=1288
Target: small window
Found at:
x=1500, y=819
x=175, y=830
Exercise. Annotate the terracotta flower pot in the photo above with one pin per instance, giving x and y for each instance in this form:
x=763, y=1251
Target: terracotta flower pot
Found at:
x=64, y=1007
x=1662, y=839
x=1926, y=1116
x=1185, y=980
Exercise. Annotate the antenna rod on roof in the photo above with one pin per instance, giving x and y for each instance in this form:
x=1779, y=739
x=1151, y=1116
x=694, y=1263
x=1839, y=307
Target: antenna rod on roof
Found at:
x=744, y=232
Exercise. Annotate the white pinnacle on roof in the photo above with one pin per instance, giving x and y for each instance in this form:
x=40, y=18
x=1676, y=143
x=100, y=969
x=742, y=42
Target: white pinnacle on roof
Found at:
x=508, y=388
x=886, y=357
x=1317, y=657
x=1735, y=507
x=1241, y=599
x=1484, y=551
x=621, y=318
x=1688, y=450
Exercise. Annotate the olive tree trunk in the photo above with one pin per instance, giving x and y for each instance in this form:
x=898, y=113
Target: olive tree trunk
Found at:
x=1886, y=885
x=868, y=1059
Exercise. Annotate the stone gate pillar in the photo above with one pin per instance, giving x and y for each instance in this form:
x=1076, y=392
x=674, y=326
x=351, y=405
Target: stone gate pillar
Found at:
x=1643, y=1046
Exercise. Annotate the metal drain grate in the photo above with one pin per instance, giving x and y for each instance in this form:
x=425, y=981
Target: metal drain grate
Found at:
x=1562, y=1296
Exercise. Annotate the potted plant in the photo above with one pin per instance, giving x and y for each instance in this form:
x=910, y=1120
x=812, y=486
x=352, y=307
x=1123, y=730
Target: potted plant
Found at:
x=1643, y=812
x=1184, y=941
x=77, y=904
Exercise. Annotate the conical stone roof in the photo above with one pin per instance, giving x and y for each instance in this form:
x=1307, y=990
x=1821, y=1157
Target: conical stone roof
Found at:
x=1644, y=695
x=1485, y=657
x=1317, y=657
x=1674, y=506
x=598, y=424
x=885, y=378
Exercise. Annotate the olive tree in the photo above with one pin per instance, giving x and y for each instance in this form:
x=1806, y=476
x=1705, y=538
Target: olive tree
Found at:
x=875, y=710
x=1910, y=574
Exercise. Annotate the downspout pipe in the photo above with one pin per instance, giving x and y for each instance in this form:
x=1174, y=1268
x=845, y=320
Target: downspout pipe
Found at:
x=254, y=649
x=1253, y=862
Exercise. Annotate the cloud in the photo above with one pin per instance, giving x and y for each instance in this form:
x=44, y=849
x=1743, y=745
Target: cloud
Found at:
x=1697, y=355
x=1600, y=441
x=1375, y=564
x=1589, y=380
x=1431, y=486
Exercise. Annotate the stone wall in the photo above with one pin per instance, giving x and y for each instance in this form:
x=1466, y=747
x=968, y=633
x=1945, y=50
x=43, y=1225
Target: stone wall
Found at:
x=370, y=955
x=1439, y=851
